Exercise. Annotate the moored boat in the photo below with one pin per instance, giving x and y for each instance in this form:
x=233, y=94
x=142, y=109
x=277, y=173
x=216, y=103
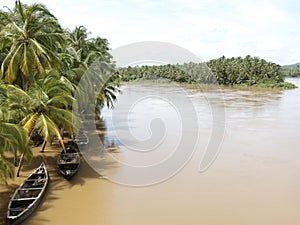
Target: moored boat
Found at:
x=68, y=162
x=81, y=138
x=28, y=196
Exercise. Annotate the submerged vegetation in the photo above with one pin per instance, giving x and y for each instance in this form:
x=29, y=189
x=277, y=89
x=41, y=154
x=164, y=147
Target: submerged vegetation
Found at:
x=248, y=71
x=41, y=66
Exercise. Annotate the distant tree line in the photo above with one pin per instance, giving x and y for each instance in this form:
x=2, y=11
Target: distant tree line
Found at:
x=248, y=71
x=292, y=70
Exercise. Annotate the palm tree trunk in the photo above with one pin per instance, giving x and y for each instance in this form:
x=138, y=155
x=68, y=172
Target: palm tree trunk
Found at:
x=62, y=130
x=22, y=156
x=15, y=158
x=20, y=164
x=43, y=146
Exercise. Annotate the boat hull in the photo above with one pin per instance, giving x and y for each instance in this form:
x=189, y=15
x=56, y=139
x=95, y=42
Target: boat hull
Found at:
x=28, y=196
x=68, y=163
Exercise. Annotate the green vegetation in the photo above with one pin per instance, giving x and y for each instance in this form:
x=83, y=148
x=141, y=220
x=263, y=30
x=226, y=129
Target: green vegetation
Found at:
x=291, y=70
x=41, y=66
x=248, y=71
x=13, y=138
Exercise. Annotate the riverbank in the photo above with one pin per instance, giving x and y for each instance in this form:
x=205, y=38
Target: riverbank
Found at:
x=205, y=86
x=6, y=191
x=57, y=183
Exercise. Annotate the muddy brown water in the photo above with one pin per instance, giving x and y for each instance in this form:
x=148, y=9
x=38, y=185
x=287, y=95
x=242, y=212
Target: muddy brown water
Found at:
x=254, y=180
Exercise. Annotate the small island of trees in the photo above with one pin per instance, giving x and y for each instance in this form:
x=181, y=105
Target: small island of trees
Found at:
x=236, y=71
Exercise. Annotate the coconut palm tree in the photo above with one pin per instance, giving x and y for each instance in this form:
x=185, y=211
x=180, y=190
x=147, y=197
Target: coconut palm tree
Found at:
x=81, y=51
x=12, y=138
x=98, y=87
x=5, y=115
x=48, y=100
x=42, y=109
x=78, y=57
x=6, y=170
x=86, y=49
x=34, y=37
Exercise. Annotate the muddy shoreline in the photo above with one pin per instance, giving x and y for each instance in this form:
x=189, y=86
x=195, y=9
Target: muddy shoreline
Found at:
x=56, y=183
x=6, y=191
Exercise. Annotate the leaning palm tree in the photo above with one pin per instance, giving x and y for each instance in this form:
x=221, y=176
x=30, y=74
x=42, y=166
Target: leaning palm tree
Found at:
x=97, y=87
x=81, y=51
x=12, y=138
x=34, y=38
x=8, y=102
x=42, y=109
x=49, y=102
x=89, y=59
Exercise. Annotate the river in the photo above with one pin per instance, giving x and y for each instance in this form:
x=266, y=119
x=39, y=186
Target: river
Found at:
x=236, y=161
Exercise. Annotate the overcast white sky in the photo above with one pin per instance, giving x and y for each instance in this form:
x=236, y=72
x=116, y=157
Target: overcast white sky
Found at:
x=208, y=28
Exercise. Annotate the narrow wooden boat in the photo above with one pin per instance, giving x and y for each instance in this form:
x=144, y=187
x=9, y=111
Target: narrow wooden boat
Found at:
x=81, y=138
x=28, y=196
x=68, y=162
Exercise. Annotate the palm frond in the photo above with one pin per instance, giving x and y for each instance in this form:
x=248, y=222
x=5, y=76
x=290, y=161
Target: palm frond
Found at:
x=47, y=128
x=6, y=170
x=29, y=122
x=13, y=138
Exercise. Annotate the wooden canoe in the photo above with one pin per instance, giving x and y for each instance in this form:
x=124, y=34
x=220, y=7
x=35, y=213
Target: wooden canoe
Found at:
x=28, y=196
x=68, y=162
x=81, y=138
